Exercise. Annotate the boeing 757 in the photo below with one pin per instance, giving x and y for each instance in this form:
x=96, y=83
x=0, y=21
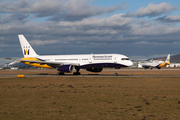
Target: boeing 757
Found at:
x=70, y=63
x=157, y=64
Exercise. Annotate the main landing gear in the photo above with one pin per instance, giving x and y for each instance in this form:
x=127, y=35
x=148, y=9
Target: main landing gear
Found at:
x=77, y=72
x=60, y=73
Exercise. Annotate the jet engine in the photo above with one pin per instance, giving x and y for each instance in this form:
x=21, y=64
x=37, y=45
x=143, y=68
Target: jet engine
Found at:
x=66, y=68
x=94, y=69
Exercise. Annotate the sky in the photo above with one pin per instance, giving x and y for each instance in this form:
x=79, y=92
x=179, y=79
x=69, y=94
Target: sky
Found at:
x=140, y=29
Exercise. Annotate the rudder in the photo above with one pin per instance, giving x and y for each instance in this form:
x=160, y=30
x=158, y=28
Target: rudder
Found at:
x=168, y=58
x=27, y=50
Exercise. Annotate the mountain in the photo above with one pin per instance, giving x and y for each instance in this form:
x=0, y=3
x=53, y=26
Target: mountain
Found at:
x=173, y=58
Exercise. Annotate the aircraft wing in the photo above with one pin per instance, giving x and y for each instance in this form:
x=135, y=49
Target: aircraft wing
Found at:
x=51, y=63
x=10, y=58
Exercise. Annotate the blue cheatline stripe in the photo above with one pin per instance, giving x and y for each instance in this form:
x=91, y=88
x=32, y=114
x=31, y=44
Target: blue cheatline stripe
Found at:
x=115, y=65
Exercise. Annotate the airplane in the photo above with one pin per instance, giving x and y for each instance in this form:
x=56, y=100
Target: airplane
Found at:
x=156, y=64
x=70, y=63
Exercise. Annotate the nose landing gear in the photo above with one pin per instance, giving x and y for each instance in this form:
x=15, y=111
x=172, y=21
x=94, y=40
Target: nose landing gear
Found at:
x=116, y=74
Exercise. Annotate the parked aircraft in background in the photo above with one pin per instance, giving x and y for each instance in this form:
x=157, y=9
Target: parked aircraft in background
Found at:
x=4, y=67
x=156, y=64
x=70, y=63
x=14, y=65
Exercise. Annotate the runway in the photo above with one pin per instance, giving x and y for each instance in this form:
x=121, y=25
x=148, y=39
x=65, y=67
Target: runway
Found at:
x=167, y=72
x=167, y=69
x=88, y=75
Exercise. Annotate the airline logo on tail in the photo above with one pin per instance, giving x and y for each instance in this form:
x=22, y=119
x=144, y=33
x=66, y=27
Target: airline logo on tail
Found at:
x=26, y=50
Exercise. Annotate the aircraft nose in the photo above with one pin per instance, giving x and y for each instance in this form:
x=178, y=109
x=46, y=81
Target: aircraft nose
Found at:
x=130, y=63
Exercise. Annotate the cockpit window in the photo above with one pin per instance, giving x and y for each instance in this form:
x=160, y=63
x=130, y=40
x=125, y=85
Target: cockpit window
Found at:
x=124, y=58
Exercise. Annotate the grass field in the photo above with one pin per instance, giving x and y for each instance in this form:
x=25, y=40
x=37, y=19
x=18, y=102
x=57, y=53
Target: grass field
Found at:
x=90, y=98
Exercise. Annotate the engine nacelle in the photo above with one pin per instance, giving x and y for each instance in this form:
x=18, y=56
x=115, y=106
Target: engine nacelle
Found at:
x=94, y=69
x=66, y=68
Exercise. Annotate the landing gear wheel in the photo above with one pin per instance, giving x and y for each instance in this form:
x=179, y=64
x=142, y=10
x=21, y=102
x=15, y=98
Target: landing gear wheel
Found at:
x=60, y=73
x=116, y=74
x=76, y=73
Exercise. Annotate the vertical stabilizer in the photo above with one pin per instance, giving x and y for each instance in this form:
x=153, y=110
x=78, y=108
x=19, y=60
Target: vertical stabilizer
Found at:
x=168, y=58
x=27, y=50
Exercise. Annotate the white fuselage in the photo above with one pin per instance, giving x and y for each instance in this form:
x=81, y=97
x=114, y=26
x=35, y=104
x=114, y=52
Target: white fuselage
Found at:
x=89, y=60
x=152, y=64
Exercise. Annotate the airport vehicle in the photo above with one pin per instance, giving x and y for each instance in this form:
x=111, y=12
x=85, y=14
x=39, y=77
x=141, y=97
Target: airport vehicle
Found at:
x=70, y=63
x=156, y=63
